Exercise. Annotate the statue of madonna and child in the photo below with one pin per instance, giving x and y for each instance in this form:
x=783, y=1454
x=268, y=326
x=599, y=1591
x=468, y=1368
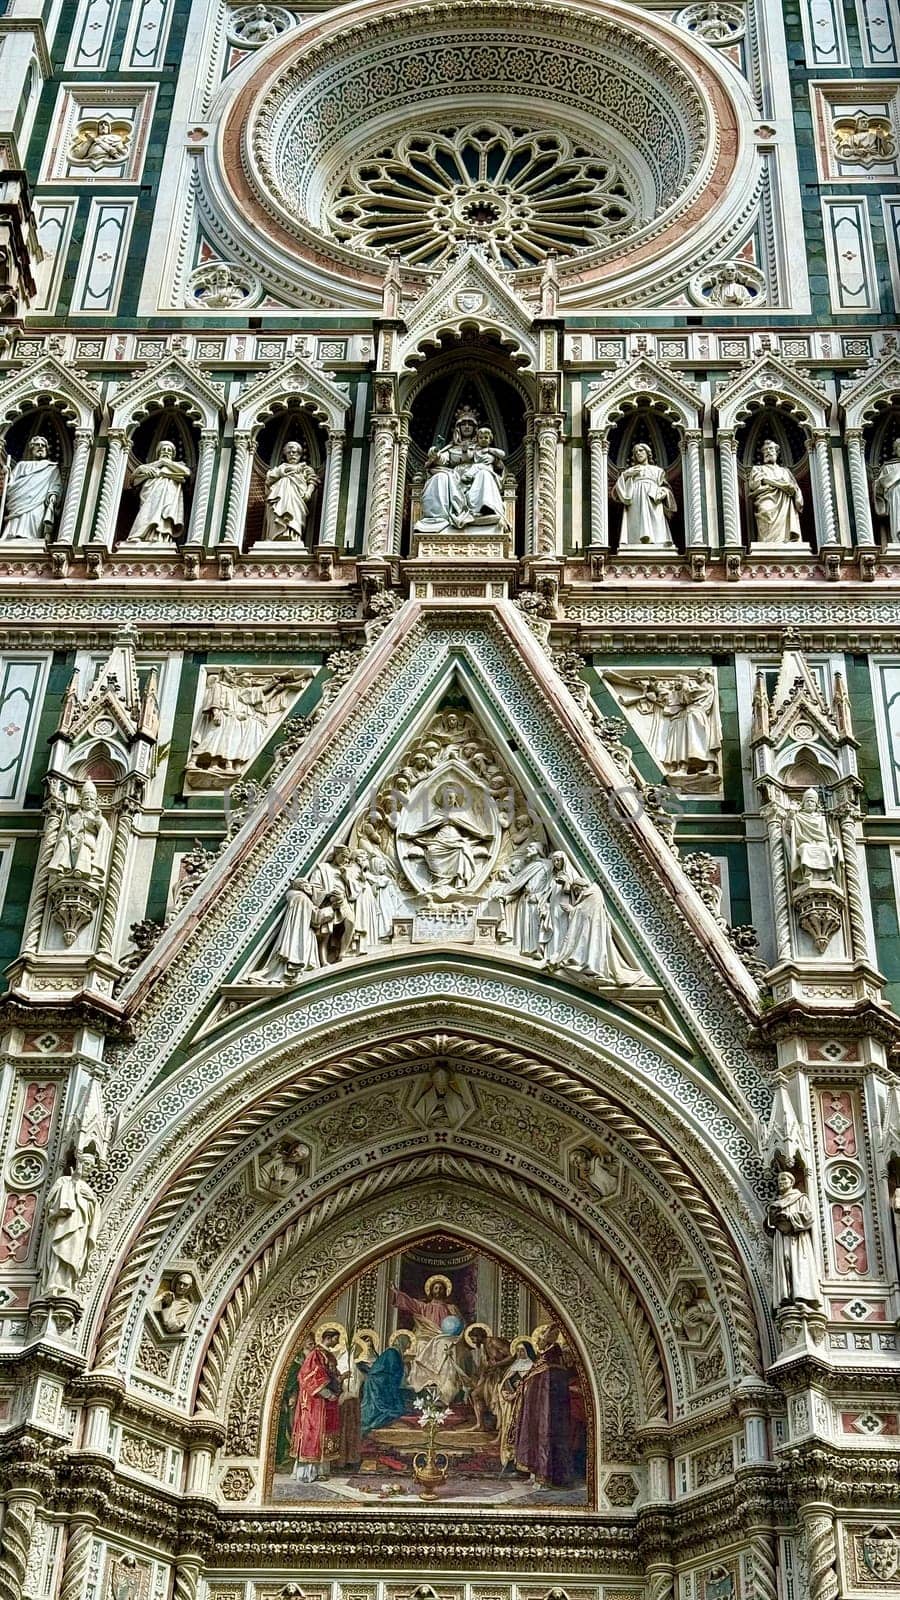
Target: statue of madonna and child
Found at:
x=463, y=479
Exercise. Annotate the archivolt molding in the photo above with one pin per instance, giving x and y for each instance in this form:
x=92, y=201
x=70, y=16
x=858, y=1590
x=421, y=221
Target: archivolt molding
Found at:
x=158, y=1234
x=547, y=1244
x=558, y=762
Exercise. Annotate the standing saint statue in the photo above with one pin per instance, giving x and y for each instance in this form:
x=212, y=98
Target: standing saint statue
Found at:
x=812, y=853
x=289, y=488
x=71, y=1228
x=886, y=491
x=83, y=842
x=33, y=492
x=160, y=516
x=777, y=500
x=789, y=1219
x=648, y=501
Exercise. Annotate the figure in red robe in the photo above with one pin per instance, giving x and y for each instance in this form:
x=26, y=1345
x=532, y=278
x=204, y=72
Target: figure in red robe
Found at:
x=316, y=1425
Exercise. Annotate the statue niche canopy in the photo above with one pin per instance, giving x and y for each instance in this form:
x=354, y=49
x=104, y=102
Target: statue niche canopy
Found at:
x=440, y=1374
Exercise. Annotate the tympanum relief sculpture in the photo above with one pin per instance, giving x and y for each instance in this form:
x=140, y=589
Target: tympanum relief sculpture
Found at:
x=160, y=515
x=776, y=498
x=677, y=719
x=448, y=852
x=886, y=492
x=239, y=708
x=33, y=494
x=643, y=490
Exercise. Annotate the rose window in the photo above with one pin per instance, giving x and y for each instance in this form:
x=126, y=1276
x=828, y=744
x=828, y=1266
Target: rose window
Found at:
x=519, y=193
x=589, y=130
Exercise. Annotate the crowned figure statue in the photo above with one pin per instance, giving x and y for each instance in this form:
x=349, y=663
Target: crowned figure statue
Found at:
x=463, y=484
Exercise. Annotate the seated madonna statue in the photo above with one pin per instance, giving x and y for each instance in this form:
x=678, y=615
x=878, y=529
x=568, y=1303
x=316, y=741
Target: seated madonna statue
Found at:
x=464, y=478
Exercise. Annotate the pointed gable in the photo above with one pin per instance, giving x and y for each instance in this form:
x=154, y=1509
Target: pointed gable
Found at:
x=471, y=293
x=572, y=781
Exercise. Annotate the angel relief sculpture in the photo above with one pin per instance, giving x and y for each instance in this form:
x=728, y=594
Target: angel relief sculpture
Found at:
x=448, y=852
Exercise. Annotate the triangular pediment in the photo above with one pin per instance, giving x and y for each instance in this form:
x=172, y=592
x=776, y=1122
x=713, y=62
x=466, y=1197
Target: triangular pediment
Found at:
x=171, y=379
x=524, y=745
x=644, y=380
x=49, y=379
x=471, y=293
x=297, y=379
x=773, y=379
x=876, y=386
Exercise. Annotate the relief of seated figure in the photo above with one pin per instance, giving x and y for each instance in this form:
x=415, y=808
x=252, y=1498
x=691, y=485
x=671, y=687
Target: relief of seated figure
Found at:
x=463, y=484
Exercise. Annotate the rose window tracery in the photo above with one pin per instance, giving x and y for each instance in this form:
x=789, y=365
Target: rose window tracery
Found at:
x=578, y=130
x=521, y=193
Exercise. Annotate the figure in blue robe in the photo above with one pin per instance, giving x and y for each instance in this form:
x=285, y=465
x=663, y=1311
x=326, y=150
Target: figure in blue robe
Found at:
x=385, y=1396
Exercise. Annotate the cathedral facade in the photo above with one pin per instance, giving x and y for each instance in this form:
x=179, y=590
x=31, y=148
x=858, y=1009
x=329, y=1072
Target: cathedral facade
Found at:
x=450, y=800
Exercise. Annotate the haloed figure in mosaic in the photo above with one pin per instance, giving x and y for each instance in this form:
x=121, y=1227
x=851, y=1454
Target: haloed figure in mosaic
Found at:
x=508, y=1415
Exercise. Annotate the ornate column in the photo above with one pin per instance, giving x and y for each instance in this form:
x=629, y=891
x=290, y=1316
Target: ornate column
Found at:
x=859, y=486
x=402, y=458
x=781, y=910
x=78, y=1556
x=236, y=514
x=846, y=819
x=115, y=876
x=828, y=533
x=331, y=500
x=547, y=430
x=821, y=1553
x=380, y=518
x=65, y=533
x=693, y=499
x=111, y=487
x=598, y=448
x=209, y=441
x=15, y=1543
x=731, y=512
